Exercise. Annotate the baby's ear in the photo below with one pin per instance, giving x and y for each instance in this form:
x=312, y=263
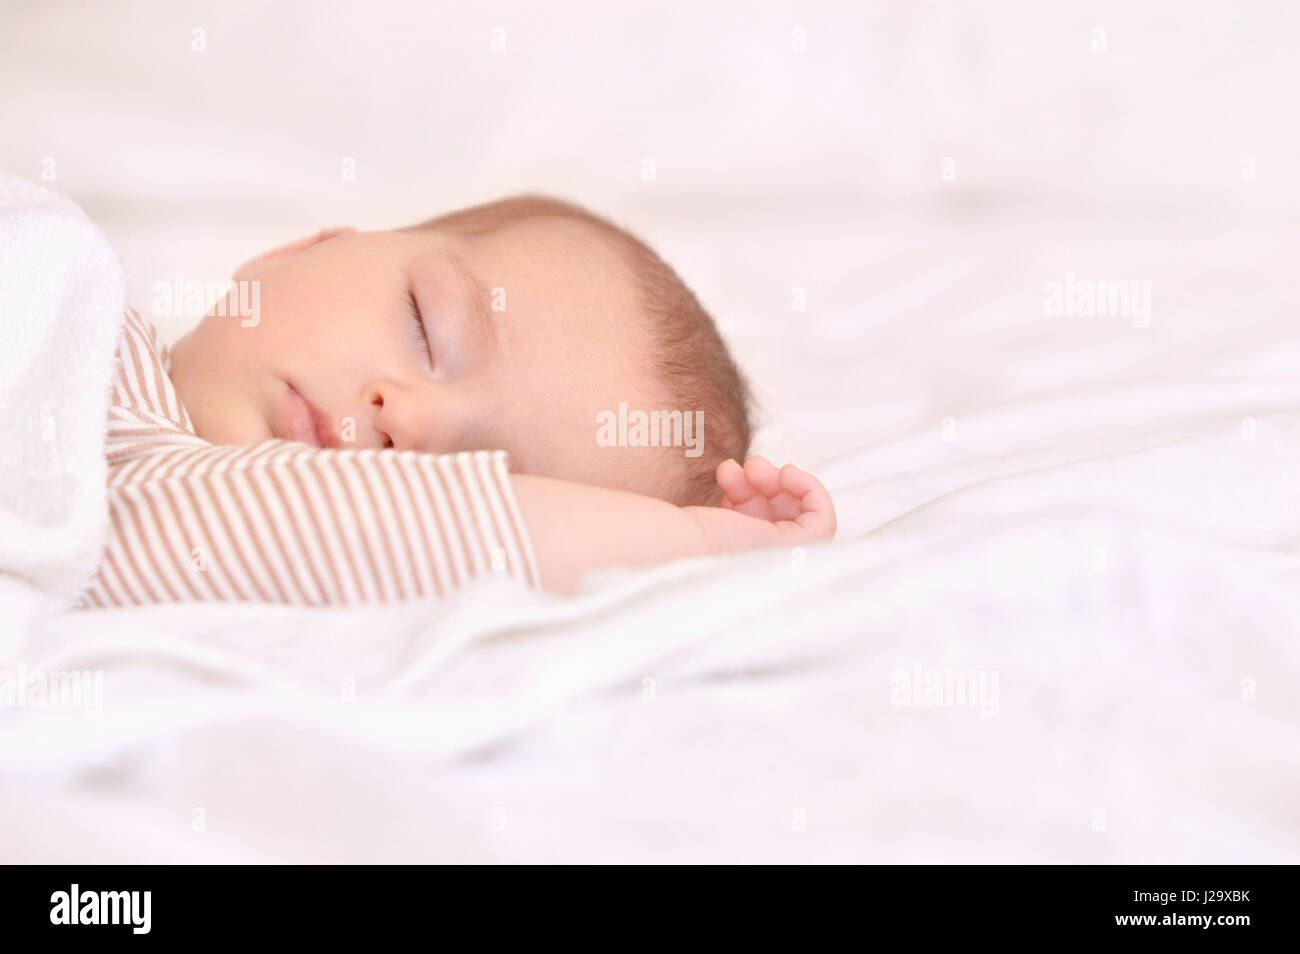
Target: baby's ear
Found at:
x=255, y=265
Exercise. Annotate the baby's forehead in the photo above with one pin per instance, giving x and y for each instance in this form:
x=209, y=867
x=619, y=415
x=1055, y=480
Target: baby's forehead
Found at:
x=559, y=235
x=562, y=256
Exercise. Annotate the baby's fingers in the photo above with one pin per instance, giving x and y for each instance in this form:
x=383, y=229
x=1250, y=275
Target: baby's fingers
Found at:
x=763, y=474
x=817, y=511
x=732, y=482
x=738, y=493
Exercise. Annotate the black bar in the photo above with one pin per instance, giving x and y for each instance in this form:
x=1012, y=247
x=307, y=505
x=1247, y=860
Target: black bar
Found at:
x=872, y=904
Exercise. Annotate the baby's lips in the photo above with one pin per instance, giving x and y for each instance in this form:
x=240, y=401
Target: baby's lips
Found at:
x=324, y=428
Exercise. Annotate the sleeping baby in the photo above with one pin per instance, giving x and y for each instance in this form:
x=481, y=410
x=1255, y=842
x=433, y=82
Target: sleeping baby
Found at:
x=408, y=411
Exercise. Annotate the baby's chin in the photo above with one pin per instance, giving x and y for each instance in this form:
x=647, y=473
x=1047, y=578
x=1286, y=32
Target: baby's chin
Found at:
x=224, y=418
x=231, y=425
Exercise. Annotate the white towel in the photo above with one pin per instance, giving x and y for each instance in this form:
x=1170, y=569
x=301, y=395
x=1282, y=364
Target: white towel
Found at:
x=62, y=295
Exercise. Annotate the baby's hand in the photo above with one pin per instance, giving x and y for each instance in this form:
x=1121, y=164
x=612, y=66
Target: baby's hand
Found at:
x=766, y=507
x=576, y=527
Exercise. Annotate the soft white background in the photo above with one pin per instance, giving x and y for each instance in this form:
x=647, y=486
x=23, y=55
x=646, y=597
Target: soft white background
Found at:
x=1109, y=519
x=775, y=169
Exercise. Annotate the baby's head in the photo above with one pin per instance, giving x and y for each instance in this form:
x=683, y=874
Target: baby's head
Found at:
x=550, y=332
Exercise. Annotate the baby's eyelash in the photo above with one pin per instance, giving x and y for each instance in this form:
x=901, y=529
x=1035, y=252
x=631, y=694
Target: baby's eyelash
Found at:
x=421, y=335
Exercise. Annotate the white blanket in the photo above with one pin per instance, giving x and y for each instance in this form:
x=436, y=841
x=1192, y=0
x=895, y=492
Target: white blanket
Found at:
x=1089, y=527
x=62, y=291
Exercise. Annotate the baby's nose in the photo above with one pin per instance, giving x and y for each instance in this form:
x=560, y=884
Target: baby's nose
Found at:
x=402, y=416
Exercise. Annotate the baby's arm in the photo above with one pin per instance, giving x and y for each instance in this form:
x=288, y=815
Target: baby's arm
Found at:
x=287, y=523
x=575, y=527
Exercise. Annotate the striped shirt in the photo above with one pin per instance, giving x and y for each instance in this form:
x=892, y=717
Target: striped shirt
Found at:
x=285, y=522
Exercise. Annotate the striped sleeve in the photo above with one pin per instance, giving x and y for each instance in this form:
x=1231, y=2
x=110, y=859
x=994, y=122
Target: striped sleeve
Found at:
x=283, y=522
x=144, y=402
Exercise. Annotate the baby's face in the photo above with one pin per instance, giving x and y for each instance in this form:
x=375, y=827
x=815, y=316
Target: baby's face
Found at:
x=532, y=331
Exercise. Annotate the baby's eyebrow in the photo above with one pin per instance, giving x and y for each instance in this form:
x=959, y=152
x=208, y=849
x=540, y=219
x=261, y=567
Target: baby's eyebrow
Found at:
x=483, y=325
